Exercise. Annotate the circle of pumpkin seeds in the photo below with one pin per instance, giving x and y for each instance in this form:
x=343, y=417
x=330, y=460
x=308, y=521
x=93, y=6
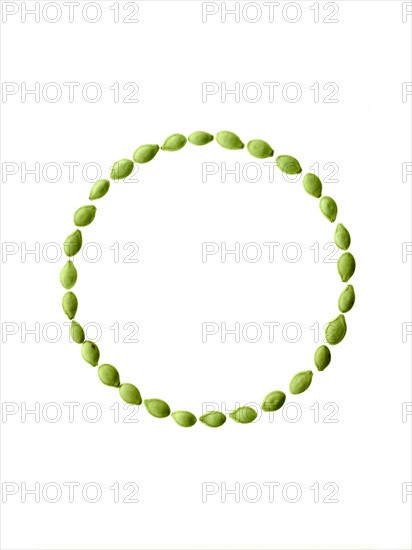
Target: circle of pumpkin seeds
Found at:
x=335, y=330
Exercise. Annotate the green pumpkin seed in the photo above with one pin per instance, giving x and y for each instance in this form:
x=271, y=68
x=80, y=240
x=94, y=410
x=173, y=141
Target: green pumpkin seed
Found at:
x=68, y=275
x=175, y=142
x=260, y=149
x=322, y=357
x=70, y=305
x=109, y=375
x=301, y=382
x=335, y=330
x=99, y=189
x=84, y=215
x=243, y=415
x=213, y=419
x=312, y=185
x=329, y=208
x=73, y=243
x=346, y=266
x=157, y=407
x=273, y=401
x=90, y=353
x=229, y=140
x=288, y=165
x=346, y=299
x=342, y=237
x=130, y=394
x=200, y=138
x=121, y=169
x=145, y=153
x=77, y=332
x=184, y=418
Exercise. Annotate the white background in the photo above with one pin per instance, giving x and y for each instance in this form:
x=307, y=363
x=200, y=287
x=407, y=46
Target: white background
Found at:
x=362, y=449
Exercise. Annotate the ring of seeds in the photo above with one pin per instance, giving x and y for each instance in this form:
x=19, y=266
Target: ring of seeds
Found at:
x=335, y=330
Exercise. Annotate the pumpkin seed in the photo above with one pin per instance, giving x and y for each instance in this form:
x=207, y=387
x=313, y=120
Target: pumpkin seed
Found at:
x=130, y=394
x=73, y=243
x=346, y=299
x=322, y=357
x=121, y=169
x=288, y=165
x=84, y=215
x=260, y=149
x=109, y=375
x=273, y=401
x=175, y=142
x=184, y=418
x=329, y=208
x=213, y=419
x=77, y=332
x=342, y=237
x=200, y=138
x=145, y=153
x=301, y=382
x=99, y=189
x=90, y=353
x=312, y=185
x=157, y=407
x=229, y=140
x=335, y=330
x=68, y=275
x=243, y=415
x=346, y=266
x=70, y=305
